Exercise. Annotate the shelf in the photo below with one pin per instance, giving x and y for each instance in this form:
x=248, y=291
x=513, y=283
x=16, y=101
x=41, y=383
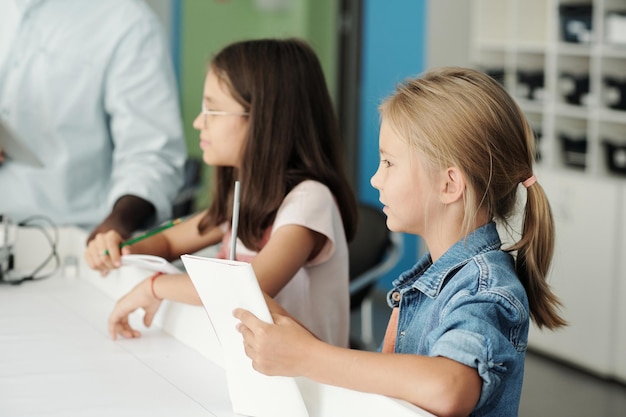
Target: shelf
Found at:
x=581, y=83
x=573, y=95
x=613, y=51
x=613, y=116
x=565, y=48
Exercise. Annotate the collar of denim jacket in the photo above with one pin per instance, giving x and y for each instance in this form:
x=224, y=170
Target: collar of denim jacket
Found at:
x=430, y=278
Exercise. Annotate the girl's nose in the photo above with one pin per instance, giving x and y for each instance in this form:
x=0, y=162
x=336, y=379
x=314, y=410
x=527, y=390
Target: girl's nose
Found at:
x=374, y=181
x=198, y=122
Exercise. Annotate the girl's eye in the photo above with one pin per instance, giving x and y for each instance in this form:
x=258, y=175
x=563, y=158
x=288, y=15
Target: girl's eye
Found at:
x=385, y=163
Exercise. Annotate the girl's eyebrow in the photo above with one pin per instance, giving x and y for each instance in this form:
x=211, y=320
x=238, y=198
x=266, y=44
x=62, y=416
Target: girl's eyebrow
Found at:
x=383, y=152
x=210, y=101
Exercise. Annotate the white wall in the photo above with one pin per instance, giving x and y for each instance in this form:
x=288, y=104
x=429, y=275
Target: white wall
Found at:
x=448, y=33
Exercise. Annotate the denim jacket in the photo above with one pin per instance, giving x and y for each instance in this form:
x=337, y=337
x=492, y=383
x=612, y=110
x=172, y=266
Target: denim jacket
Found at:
x=471, y=307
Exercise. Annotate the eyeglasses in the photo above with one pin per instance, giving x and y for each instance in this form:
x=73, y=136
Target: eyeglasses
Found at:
x=206, y=112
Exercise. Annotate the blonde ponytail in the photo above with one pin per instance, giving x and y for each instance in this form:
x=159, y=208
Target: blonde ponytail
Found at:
x=534, y=254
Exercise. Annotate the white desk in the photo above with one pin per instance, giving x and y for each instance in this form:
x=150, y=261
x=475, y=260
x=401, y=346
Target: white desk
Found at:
x=56, y=358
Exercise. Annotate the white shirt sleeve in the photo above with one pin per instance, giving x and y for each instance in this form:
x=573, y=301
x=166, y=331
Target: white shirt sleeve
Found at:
x=312, y=205
x=318, y=294
x=142, y=102
x=89, y=86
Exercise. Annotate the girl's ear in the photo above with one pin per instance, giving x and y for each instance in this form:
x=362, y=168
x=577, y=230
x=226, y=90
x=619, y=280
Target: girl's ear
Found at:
x=454, y=186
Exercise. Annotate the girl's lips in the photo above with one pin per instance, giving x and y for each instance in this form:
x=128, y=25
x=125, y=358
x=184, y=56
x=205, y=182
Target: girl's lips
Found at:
x=204, y=144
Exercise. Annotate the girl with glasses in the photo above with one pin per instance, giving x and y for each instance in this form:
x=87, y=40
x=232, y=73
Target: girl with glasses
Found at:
x=455, y=150
x=267, y=121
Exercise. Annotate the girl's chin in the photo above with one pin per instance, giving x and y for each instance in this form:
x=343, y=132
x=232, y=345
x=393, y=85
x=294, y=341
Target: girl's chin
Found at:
x=393, y=225
x=208, y=159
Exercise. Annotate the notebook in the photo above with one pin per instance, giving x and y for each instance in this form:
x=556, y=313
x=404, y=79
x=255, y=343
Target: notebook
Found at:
x=224, y=285
x=151, y=263
x=15, y=149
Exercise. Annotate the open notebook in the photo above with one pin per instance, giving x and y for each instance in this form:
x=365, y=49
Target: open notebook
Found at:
x=151, y=263
x=224, y=285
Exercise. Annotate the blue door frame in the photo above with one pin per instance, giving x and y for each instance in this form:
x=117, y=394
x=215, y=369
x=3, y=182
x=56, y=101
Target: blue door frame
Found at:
x=393, y=48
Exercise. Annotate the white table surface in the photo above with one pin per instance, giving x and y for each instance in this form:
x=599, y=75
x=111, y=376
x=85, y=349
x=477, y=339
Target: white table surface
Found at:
x=56, y=358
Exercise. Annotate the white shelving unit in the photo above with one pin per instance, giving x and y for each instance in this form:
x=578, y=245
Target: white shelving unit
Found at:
x=516, y=38
x=525, y=35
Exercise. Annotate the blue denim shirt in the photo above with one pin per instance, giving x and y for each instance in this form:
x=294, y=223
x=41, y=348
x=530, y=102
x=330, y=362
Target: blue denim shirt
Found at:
x=468, y=306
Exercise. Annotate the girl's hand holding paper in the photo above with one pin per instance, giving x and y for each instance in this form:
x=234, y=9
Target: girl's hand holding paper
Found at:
x=278, y=348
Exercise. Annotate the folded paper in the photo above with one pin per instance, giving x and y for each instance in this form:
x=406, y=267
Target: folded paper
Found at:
x=224, y=285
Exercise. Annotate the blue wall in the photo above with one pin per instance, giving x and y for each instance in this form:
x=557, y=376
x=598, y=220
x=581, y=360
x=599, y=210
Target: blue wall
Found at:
x=394, y=39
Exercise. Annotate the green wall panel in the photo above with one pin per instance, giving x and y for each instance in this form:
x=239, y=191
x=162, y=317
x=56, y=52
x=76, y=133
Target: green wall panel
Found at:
x=206, y=26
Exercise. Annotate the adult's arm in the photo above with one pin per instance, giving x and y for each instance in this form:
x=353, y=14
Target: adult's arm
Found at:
x=141, y=99
x=129, y=213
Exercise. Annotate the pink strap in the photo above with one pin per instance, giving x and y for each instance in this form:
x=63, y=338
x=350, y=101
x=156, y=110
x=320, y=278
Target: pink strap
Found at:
x=389, y=342
x=530, y=181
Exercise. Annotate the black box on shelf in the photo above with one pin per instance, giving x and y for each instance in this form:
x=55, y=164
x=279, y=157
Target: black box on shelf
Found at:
x=497, y=73
x=576, y=22
x=530, y=84
x=614, y=95
x=574, y=88
x=615, y=155
x=574, y=150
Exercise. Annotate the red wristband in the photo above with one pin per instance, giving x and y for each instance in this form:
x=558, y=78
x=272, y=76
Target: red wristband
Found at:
x=152, y=278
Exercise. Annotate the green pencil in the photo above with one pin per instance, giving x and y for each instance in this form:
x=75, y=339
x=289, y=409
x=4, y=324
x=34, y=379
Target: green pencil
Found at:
x=148, y=233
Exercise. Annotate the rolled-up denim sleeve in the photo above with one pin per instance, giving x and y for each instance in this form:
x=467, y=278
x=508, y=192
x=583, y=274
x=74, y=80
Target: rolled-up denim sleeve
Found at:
x=485, y=331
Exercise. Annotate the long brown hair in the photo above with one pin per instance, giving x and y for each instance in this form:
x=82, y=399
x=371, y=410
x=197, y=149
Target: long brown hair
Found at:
x=462, y=117
x=293, y=135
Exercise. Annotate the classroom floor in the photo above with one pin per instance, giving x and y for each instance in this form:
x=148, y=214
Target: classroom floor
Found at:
x=550, y=388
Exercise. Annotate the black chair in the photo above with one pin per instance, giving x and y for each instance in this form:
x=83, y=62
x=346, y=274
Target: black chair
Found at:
x=374, y=251
x=184, y=204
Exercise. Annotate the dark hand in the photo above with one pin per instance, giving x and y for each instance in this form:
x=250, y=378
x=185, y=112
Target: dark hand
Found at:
x=129, y=214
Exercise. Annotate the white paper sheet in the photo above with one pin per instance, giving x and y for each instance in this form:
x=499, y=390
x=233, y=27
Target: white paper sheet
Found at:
x=223, y=286
x=151, y=263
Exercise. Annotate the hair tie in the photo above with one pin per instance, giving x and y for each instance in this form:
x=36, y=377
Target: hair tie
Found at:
x=152, y=278
x=529, y=181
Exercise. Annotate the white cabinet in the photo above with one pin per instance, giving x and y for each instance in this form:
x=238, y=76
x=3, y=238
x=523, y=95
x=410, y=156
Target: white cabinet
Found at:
x=619, y=349
x=564, y=61
x=585, y=270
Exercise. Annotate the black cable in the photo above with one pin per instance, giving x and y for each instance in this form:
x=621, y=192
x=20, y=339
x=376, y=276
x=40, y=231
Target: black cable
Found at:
x=35, y=221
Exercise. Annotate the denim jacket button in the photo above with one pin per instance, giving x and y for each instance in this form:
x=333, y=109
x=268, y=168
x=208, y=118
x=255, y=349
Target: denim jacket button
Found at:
x=396, y=296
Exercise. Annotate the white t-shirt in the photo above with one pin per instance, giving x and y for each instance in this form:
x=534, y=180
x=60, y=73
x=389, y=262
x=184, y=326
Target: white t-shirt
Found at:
x=317, y=296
